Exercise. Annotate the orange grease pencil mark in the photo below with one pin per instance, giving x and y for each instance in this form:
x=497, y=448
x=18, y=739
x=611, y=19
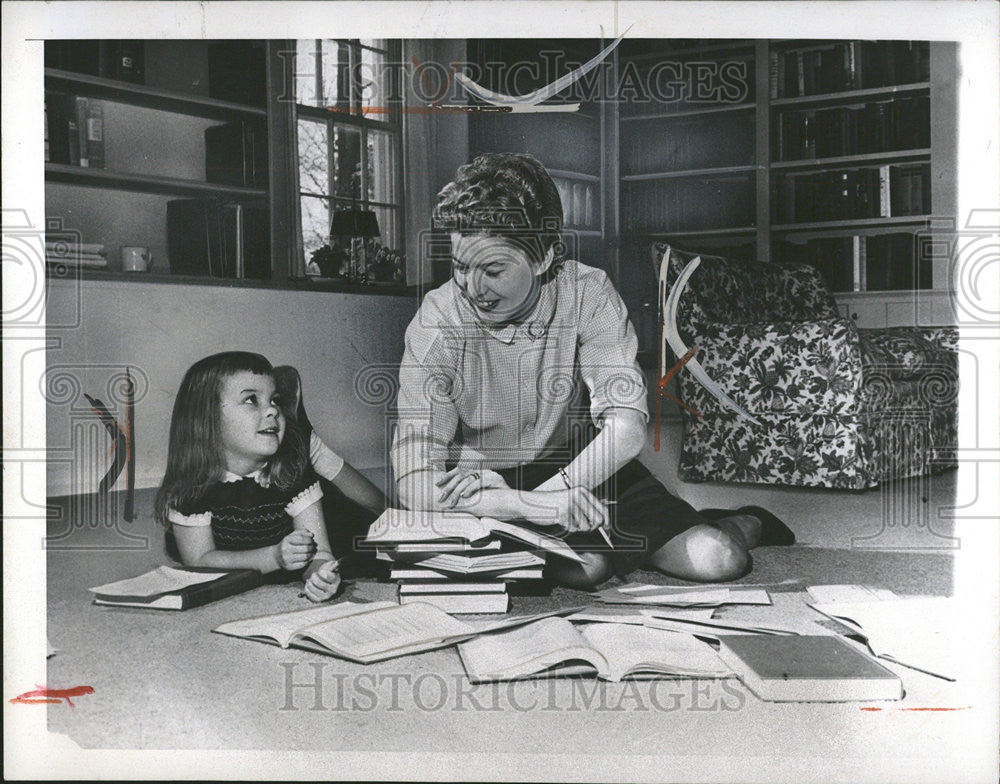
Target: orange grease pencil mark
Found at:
x=41, y=694
x=661, y=387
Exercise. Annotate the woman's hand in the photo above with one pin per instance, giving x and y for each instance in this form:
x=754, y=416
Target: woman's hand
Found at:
x=296, y=550
x=459, y=483
x=574, y=509
x=323, y=582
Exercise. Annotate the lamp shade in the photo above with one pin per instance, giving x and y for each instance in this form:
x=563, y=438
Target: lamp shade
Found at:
x=354, y=223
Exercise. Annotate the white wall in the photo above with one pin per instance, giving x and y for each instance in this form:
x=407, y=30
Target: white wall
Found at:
x=97, y=328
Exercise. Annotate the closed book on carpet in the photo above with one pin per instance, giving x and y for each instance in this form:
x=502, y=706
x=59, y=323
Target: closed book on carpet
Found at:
x=807, y=668
x=462, y=603
x=170, y=588
x=451, y=586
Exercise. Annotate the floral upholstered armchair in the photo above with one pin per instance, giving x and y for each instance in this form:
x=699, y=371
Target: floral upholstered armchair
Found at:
x=837, y=406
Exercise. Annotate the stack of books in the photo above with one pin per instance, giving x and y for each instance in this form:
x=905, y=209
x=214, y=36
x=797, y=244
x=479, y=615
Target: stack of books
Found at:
x=74, y=130
x=455, y=560
x=76, y=254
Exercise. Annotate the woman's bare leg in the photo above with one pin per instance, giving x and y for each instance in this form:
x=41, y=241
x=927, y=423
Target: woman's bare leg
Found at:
x=711, y=552
x=582, y=577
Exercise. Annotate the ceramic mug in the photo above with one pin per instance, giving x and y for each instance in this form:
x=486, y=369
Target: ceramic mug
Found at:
x=136, y=259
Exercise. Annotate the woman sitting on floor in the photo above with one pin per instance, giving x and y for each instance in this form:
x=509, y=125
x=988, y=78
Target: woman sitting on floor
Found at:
x=490, y=416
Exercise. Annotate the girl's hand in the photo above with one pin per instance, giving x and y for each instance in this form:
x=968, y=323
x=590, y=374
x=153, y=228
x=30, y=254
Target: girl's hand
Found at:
x=459, y=483
x=574, y=509
x=296, y=550
x=323, y=582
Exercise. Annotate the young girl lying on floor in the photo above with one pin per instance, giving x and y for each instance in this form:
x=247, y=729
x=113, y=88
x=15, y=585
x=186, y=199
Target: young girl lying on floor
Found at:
x=241, y=488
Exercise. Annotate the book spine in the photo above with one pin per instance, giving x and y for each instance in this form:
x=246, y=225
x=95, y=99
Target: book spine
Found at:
x=772, y=74
x=884, y=193
x=71, y=129
x=856, y=261
x=230, y=585
x=863, y=262
x=94, y=133
x=81, y=129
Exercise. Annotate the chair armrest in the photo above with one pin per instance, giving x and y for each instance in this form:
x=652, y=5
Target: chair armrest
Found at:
x=779, y=367
x=909, y=353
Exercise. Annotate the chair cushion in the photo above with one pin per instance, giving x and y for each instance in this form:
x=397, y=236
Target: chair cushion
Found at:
x=792, y=293
x=728, y=291
x=795, y=368
x=909, y=353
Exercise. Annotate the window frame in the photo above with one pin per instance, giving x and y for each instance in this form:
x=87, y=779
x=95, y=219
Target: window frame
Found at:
x=353, y=116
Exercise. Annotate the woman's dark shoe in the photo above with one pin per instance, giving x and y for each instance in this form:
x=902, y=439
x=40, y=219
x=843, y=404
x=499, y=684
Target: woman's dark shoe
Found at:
x=773, y=532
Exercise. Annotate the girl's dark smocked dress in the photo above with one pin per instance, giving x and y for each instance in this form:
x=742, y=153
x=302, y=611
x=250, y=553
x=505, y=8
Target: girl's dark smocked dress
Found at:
x=245, y=513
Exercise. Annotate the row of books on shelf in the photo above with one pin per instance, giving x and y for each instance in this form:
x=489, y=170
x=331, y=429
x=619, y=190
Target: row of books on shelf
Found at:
x=712, y=141
x=831, y=67
x=235, y=152
x=579, y=202
x=883, y=262
x=218, y=238
x=698, y=204
x=881, y=126
x=233, y=70
x=890, y=190
x=74, y=130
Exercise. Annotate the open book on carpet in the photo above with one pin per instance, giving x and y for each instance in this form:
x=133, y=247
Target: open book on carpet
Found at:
x=365, y=632
x=612, y=651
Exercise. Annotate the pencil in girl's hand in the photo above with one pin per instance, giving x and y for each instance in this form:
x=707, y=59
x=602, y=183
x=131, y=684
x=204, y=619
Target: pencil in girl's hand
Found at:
x=336, y=565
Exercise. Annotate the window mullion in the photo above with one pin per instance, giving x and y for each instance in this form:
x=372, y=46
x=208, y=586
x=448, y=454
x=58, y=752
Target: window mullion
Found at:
x=318, y=65
x=330, y=165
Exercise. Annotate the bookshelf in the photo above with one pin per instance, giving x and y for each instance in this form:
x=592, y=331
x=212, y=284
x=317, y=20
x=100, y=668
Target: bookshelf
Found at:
x=133, y=127
x=851, y=161
x=687, y=140
x=833, y=153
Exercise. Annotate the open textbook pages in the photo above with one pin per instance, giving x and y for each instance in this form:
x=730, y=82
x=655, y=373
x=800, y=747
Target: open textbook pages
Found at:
x=682, y=596
x=365, y=632
x=473, y=564
x=401, y=526
x=554, y=646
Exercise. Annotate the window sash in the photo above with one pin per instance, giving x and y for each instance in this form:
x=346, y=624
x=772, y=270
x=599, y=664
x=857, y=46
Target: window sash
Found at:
x=385, y=194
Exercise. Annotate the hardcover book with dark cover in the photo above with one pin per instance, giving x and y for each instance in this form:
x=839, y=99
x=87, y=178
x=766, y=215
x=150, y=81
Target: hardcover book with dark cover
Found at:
x=228, y=583
x=807, y=668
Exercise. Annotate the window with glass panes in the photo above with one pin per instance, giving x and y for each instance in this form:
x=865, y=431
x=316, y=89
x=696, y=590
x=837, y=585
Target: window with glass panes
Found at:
x=349, y=123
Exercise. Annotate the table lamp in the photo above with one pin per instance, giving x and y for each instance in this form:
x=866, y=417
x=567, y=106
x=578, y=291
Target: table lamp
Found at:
x=357, y=226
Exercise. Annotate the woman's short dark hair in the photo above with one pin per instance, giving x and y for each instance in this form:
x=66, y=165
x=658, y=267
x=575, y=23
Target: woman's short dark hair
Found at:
x=510, y=195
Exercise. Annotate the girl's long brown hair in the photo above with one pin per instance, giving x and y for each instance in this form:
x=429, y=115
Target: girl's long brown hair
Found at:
x=195, y=454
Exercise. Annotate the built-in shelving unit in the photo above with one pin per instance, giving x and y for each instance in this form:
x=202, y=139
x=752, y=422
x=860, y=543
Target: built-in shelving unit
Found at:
x=134, y=127
x=826, y=157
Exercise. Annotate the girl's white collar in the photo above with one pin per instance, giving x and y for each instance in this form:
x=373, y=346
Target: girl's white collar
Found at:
x=257, y=476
